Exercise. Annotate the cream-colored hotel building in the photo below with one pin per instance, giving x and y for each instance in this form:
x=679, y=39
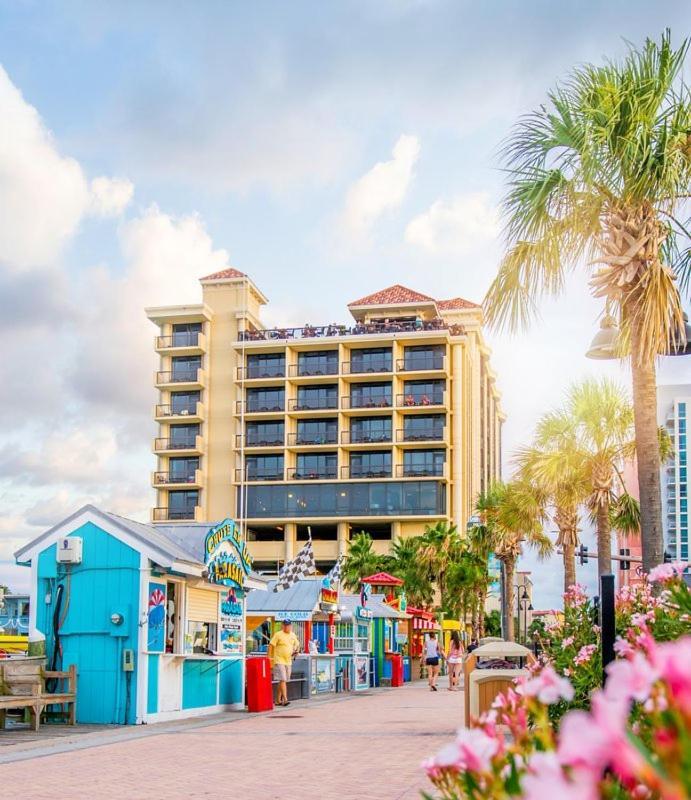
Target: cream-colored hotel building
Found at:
x=387, y=424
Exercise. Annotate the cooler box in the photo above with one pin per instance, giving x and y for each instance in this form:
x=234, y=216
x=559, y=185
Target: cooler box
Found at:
x=397, y=670
x=259, y=691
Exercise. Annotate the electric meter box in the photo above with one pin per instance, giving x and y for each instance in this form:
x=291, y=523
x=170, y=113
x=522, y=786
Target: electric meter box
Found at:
x=69, y=550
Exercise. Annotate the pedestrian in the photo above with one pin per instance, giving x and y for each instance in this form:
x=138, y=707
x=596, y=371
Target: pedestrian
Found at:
x=454, y=659
x=283, y=648
x=472, y=646
x=432, y=657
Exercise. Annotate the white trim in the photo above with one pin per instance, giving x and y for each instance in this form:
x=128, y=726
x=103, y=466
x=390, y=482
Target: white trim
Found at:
x=34, y=633
x=142, y=640
x=186, y=713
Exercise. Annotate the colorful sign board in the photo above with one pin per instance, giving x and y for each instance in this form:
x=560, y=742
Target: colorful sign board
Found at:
x=363, y=613
x=226, y=556
x=156, y=618
x=328, y=600
x=293, y=616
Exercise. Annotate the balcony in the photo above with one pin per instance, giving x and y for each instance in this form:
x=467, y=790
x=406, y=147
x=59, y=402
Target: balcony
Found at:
x=423, y=362
x=420, y=470
x=315, y=368
x=195, y=378
x=365, y=437
x=417, y=436
x=353, y=472
x=258, y=475
x=193, y=343
x=166, y=445
x=257, y=408
x=369, y=403
x=258, y=440
x=165, y=514
x=175, y=480
x=375, y=367
x=326, y=473
x=314, y=439
x=194, y=412
x=316, y=404
x=261, y=372
x=311, y=332
x=417, y=401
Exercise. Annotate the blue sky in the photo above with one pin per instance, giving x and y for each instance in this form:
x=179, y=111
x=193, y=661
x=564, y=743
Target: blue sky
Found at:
x=327, y=149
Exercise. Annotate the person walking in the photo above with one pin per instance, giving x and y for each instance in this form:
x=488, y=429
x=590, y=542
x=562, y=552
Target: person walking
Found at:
x=283, y=648
x=432, y=658
x=454, y=659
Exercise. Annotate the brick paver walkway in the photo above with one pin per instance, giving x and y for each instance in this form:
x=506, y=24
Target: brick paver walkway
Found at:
x=354, y=747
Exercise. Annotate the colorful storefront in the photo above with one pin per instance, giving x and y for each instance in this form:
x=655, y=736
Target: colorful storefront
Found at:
x=153, y=617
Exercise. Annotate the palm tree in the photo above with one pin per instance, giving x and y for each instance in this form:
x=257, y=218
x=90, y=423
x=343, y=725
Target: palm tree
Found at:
x=360, y=561
x=597, y=176
x=513, y=513
x=404, y=562
x=439, y=548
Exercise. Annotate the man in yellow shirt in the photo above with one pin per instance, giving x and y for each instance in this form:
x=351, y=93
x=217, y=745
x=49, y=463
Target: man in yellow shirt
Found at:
x=283, y=647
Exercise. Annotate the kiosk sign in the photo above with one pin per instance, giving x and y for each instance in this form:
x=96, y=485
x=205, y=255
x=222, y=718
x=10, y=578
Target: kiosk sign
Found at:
x=226, y=556
x=328, y=600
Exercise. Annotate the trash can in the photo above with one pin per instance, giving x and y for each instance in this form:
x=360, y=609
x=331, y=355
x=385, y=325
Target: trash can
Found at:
x=397, y=669
x=259, y=690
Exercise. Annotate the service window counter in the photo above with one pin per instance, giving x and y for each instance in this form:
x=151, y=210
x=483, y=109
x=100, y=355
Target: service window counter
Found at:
x=489, y=670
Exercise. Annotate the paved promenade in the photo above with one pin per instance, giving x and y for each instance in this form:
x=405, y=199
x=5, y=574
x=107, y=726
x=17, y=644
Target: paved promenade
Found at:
x=353, y=747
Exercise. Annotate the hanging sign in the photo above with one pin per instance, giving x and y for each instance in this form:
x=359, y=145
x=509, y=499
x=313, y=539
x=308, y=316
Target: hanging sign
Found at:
x=328, y=600
x=226, y=556
x=156, y=617
x=363, y=613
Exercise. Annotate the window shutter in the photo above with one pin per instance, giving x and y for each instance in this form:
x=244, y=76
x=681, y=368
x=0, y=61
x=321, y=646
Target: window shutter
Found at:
x=202, y=605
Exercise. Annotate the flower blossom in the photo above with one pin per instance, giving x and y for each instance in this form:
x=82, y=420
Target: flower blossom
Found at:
x=547, y=687
x=667, y=572
x=567, y=642
x=472, y=750
x=545, y=780
x=585, y=654
x=575, y=595
x=631, y=679
x=672, y=659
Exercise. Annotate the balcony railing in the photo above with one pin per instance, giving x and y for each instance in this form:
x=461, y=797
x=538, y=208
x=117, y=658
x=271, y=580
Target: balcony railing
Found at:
x=260, y=440
x=255, y=407
x=315, y=404
x=314, y=367
x=419, y=470
x=191, y=410
x=355, y=472
x=191, y=443
x=324, y=473
x=329, y=437
x=410, y=400
x=426, y=435
x=253, y=371
x=420, y=362
x=259, y=475
x=163, y=478
x=191, y=339
x=371, y=401
x=373, y=367
x=178, y=376
x=359, y=329
x=173, y=514
x=365, y=437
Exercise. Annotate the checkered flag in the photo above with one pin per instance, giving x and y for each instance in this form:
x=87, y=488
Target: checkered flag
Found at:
x=334, y=575
x=292, y=571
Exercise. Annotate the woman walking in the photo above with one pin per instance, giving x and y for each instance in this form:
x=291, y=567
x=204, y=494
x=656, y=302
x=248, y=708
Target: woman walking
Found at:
x=454, y=659
x=432, y=656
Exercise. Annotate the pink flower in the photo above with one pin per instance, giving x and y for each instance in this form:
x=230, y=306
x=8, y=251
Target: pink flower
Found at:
x=631, y=679
x=585, y=654
x=472, y=750
x=545, y=780
x=672, y=659
x=575, y=595
x=623, y=648
x=567, y=642
x=547, y=687
x=667, y=572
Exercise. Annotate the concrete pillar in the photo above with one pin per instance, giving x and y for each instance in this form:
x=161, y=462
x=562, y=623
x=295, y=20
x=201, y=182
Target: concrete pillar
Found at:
x=458, y=443
x=342, y=538
x=289, y=537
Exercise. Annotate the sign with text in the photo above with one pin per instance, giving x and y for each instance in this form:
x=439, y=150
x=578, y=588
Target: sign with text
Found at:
x=156, y=618
x=226, y=556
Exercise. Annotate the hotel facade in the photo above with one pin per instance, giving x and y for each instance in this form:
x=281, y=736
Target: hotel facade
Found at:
x=674, y=412
x=387, y=424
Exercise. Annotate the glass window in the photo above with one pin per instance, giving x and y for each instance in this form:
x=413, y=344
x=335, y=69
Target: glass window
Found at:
x=181, y=470
x=173, y=644
x=423, y=463
x=370, y=429
x=682, y=409
x=264, y=434
x=370, y=395
x=324, y=362
x=423, y=393
x=184, y=368
x=268, y=399
x=266, y=365
x=315, y=397
x=184, y=402
x=317, y=431
x=181, y=504
x=183, y=435
x=424, y=427
x=186, y=334
x=423, y=357
x=316, y=465
x=264, y=468
x=371, y=465
x=371, y=359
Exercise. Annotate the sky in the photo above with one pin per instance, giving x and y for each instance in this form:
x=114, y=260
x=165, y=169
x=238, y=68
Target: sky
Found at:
x=326, y=149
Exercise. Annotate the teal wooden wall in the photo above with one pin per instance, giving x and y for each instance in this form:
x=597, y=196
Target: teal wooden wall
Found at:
x=199, y=683
x=106, y=581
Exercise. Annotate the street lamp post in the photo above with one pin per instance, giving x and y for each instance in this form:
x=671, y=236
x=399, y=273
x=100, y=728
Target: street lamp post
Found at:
x=522, y=604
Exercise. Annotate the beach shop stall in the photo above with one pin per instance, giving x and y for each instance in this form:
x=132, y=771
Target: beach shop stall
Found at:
x=391, y=634
x=152, y=616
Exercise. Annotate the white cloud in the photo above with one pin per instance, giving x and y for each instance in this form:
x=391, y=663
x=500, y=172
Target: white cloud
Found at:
x=455, y=227
x=110, y=196
x=381, y=189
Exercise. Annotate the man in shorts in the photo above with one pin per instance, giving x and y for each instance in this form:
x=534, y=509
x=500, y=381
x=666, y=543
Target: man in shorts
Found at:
x=283, y=648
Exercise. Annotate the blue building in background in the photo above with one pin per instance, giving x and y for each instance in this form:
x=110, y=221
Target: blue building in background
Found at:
x=14, y=614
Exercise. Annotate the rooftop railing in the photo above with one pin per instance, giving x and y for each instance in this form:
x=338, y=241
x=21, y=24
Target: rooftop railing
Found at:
x=359, y=329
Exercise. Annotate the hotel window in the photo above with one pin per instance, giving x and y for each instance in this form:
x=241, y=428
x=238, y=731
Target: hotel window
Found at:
x=271, y=399
x=183, y=436
x=370, y=465
x=424, y=427
x=373, y=359
x=370, y=429
x=181, y=504
x=370, y=395
x=316, y=465
x=184, y=402
x=264, y=468
x=423, y=463
x=324, y=362
x=265, y=434
x=423, y=357
x=181, y=470
x=423, y=393
x=266, y=365
x=186, y=334
x=184, y=368
x=316, y=397
x=312, y=431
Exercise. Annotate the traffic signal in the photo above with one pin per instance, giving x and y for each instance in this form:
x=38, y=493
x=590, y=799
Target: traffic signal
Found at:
x=583, y=554
x=624, y=564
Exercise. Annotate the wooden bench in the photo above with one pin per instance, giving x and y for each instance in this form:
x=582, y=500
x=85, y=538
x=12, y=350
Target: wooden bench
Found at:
x=22, y=685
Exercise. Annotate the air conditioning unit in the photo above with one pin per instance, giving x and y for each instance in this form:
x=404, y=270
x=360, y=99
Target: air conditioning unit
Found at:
x=69, y=550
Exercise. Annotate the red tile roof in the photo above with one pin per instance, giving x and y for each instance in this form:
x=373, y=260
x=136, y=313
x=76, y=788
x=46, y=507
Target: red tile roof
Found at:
x=391, y=296
x=454, y=303
x=383, y=579
x=224, y=274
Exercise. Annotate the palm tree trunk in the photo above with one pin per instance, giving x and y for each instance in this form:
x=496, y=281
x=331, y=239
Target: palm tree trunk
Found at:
x=509, y=570
x=569, y=556
x=604, y=540
x=647, y=451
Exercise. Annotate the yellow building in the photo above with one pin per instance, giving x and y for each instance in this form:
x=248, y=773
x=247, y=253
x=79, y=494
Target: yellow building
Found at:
x=387, y=424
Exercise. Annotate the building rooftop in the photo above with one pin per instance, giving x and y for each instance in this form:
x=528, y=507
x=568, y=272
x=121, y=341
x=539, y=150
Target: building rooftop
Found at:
x=455, y=303
x=392, y=295
x=224, y=274
x=383, y=579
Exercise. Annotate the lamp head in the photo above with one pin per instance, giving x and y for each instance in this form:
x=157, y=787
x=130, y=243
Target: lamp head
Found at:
x=604, y=344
